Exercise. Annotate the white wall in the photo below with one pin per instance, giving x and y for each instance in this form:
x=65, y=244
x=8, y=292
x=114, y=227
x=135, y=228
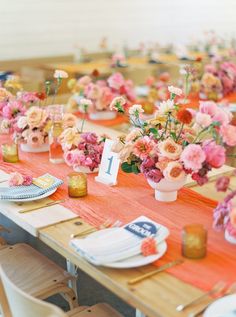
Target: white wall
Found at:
x=30, y=28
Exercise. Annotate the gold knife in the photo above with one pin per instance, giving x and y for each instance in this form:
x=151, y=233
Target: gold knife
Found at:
x=160, y=269
x=55, y=202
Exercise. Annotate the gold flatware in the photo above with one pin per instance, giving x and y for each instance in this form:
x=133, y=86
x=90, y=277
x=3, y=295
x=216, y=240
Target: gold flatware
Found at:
x=218, y=287
x=160, y=269
x=55, y=202
x=230, y=290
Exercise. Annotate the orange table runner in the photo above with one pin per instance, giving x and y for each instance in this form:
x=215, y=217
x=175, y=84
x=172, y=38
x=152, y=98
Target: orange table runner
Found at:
x=194, y=100
x=133, y=197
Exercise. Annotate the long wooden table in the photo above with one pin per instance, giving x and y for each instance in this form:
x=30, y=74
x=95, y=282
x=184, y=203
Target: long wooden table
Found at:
x=155, y=297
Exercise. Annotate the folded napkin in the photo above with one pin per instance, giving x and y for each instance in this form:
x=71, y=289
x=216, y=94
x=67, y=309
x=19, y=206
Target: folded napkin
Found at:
x=31, y=191
x=120, y=243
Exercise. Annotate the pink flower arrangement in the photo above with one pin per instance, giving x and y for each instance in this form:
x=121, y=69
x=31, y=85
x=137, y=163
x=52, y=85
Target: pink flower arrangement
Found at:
x=118, y=60
x=83, y=149
x=224, y=215
x=219, y=79
x=176, y=142
x=100, y=92
x=17, y=179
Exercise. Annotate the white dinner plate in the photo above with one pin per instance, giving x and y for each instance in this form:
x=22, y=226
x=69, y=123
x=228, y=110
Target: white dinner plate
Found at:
x=134, y=261
x=222, y=307
x=34, y=198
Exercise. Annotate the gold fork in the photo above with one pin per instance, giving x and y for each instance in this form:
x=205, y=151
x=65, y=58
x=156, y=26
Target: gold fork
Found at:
x=218, y=287
x=55, y=202
x=107, y=224
x=230, y=290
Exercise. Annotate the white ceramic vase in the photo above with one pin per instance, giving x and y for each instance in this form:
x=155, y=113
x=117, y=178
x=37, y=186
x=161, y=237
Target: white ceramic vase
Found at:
x=103, y=115
x=229, y=238
x=30, y=149
x=85, y=169
x=166, y=190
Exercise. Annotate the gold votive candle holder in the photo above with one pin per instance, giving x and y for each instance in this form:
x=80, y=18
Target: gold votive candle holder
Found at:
x=10, y=152
x=194, y=241
x=77, y=184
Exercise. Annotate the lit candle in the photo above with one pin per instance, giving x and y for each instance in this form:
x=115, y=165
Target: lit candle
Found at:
x=10, y=152
x=77, y=184
x=194, y=241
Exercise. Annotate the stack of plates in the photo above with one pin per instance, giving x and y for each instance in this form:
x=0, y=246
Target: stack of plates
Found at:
x=121, y=247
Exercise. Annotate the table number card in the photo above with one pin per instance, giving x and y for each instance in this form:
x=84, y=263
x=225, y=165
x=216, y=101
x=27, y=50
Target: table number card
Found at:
x=109, y=166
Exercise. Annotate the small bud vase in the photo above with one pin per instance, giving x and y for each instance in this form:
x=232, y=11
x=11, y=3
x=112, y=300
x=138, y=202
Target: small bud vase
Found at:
x=166, y=190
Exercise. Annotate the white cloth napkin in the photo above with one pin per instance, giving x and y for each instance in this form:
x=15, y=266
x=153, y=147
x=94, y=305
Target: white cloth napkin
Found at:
x=115, y=245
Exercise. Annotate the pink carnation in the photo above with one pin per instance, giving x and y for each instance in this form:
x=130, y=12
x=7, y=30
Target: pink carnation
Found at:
x=222, y=116
x=215, y=154
x=208, y=107
x=193, y=157
x=228, y=133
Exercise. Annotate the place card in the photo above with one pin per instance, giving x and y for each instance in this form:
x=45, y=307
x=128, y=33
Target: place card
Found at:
x=109, y=166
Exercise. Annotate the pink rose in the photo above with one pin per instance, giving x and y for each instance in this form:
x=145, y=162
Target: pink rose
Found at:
x=203, y=119
x=228, y=133
x=174, y=172
x=170, y=149
x=193, y=157
x=215, y=154
x=16, y=179
x=208, y=107
x=73, y=158
x=36, y=117
x=69, y=120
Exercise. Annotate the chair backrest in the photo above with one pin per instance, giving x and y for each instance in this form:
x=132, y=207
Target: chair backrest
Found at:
x=24, y=305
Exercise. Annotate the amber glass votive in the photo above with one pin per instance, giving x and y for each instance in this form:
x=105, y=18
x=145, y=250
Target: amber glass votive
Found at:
x=77, y=184
x=194, y=241
x=10, y=152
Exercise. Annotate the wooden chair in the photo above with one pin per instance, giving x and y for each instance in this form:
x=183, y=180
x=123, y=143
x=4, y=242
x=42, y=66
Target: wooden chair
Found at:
x=16, y=303
x=35, y=274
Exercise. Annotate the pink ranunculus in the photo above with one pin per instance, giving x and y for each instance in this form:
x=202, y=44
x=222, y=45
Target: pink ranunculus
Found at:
x=208, y=107
x=224, y=116
x=27, y=180
x=228, y=133
x=116, y=81
x=203, y=119
x=215, y=154
x=193, y=157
